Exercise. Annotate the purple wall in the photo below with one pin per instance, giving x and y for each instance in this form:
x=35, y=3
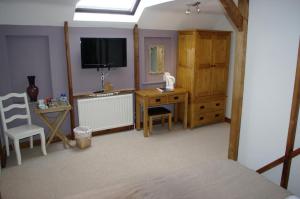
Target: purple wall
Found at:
x=89, y=79
x=24, y=62
x=167, y=38
x=40, y=50
x=56, y=59
x=33, y=50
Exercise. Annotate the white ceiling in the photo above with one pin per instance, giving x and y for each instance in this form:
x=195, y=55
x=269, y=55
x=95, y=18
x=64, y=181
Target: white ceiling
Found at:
x=164, y=16
x=60, y=2
x=179, y=6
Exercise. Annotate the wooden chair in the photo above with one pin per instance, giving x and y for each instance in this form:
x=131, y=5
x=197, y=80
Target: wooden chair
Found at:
x=22, y=131
x=159, y=112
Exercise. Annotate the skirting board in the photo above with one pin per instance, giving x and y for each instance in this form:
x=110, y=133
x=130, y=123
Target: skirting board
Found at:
x=228, y=120
x=96, y=133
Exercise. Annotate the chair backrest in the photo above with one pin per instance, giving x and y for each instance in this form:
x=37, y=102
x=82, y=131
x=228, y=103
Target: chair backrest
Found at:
x=3, y=109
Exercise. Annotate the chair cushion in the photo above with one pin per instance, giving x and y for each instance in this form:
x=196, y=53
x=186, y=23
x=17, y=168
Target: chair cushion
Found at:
x=158, y=111
x=23, y=131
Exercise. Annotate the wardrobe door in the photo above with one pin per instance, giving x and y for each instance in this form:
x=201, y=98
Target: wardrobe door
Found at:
x=186, y=49
x=220, y=57
x=202, y=79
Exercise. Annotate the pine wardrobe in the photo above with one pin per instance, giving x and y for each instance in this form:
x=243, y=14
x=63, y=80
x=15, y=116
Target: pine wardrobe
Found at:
x=203, y=59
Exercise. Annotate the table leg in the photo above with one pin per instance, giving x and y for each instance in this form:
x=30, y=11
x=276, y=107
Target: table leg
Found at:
x=54, y=127
x=176, y=108
x=137, y=114
x=64, y=139
x=185, y=110
x=51, y=126
x=145, y=119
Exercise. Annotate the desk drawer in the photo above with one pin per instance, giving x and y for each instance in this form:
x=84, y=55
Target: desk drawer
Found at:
x=153, y=101
x=176, y=98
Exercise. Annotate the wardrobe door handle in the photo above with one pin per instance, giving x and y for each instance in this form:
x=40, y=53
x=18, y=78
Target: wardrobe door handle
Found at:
x=157, y=100
x=201, y=118
x=217, y=104
x=202, y=107
x=176, y=98
x=217, y=115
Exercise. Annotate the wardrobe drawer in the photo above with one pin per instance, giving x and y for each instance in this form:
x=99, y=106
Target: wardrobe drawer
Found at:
x=207, y=118
x=217, y=105
x=176, y=98
x=205, y=107
x=202, y=107
x=217, y=116
x=153, y=101
x=201, y=118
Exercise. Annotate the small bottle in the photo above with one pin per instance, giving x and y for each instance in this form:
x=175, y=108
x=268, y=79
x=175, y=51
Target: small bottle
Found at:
x=63, y=98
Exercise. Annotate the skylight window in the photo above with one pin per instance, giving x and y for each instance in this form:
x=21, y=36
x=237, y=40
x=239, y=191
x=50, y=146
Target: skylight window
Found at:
x=127, y=7
x=112, y=10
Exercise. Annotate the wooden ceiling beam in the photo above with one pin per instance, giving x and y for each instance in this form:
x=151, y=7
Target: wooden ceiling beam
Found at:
x=233, y=13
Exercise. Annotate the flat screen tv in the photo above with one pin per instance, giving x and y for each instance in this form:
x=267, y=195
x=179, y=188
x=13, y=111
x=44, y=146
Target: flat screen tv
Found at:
x=103, y=52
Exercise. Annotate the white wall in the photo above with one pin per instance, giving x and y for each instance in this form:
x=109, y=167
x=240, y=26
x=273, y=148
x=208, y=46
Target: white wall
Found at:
x=47, y=13
x=273, y=38
x=54, y=13
x=177, y=20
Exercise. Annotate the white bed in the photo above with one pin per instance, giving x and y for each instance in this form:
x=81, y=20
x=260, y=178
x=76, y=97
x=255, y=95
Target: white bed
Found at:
x=216, y=180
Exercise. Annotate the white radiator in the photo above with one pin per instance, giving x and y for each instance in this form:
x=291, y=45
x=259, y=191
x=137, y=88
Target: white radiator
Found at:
x=106, y=112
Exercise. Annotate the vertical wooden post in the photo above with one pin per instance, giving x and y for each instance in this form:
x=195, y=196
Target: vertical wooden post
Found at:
x=238, y=84
x=2, y=156
x=69, y=72
x=136, y=57
x=292, y=128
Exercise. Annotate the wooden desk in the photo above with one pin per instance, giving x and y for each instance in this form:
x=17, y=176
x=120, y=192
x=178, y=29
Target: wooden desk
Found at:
x=153, y=97
x=54, y=126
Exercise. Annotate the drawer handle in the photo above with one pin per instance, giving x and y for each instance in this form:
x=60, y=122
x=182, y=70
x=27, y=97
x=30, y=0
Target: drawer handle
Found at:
x=157, y=100
x=217, y=104
x=201, y=118
x=202, y=107
x=217, y=115
x=176, y=98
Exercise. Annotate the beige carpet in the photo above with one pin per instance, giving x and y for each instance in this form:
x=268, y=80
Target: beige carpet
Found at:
x=112, y=159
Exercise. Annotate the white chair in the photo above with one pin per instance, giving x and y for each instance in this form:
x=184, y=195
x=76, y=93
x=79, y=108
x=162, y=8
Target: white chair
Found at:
x=19, y=132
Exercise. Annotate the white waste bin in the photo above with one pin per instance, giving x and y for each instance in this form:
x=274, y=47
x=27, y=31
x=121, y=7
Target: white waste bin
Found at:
x=83, y=136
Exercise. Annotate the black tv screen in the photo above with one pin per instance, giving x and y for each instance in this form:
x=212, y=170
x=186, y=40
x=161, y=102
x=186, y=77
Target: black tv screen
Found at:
x=103, y=52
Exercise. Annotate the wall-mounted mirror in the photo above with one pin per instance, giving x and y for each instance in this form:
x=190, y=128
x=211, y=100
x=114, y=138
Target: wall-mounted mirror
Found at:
x=157, y=59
